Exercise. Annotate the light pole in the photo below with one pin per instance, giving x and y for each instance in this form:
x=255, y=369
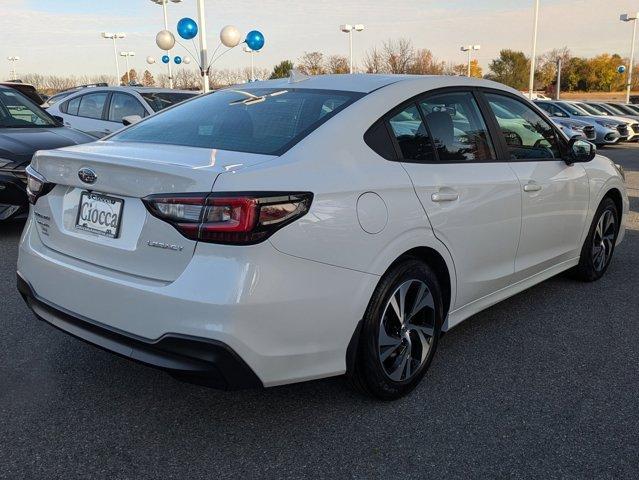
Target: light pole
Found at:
x=126, y=56
x=469, y=49
x=531, y=81
x=204, y=55
x=12, y=62
x=346, y=28
x=166, y=27
x=252, y=52
x=630, y=17
x=115, y=37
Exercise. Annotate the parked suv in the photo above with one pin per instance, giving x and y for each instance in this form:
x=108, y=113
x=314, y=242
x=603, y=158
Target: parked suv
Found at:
x=300, y=229
x=100, y=111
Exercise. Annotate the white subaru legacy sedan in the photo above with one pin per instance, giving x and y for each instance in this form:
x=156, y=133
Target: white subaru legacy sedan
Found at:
x=295, y=229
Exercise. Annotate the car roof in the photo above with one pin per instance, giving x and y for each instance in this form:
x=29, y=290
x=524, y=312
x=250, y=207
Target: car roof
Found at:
x=140, y=90
x=366, y=83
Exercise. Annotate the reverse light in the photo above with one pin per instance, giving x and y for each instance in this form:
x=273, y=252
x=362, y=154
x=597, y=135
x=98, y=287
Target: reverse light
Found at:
x=229, y=218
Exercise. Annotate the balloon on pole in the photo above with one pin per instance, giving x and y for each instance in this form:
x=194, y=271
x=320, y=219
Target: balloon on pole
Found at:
x=150, y=60
x=165, y=40
x=177, y=59
x=166, y=59
x=230, y=36
x=255, y=40
x=186, y=60
x=621, y=69
x=187, y=28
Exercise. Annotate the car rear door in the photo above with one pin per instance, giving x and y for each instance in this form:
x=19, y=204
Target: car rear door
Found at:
x=87, y=112
x=554, y=194
x=472, y=199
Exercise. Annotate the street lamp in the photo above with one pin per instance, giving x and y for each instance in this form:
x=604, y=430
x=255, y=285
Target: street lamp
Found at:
x=126, y=56
x=346, y=28
x=166, y=27
x=630, y=17
x=248, y=49
x=531, y=81
x=115, y=37
x=12, y=61
x=469, y=49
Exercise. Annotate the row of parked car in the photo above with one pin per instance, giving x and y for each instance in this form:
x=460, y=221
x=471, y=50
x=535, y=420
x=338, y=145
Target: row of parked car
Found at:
x=602, y=123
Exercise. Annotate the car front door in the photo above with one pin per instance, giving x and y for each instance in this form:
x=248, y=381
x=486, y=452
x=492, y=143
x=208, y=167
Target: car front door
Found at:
x=554, y=194
x=472, y=200
x=123, y=105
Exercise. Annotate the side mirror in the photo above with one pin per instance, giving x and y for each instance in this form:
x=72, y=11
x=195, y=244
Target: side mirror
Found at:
x=131, y=119
x=58, y=119
x=581, y=150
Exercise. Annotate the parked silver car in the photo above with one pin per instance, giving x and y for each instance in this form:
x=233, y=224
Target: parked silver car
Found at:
x=576, y=128
x=631, y=132
x=606, y=129
x=100, y=111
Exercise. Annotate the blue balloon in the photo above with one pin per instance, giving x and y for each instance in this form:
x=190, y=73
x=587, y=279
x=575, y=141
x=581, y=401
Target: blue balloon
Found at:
x=255, y=40
x=177, y=60
x=166, y=59
x=187, y=28
x=621, y=69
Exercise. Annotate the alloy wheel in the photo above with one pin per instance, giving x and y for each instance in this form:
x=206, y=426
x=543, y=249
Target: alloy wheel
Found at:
x=406, y=330
x=603, y=240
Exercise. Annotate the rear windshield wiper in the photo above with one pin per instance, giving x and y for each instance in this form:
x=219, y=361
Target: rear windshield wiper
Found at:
x=253, y=99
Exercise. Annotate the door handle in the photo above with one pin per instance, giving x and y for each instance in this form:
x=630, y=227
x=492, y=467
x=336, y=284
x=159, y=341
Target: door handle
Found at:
x=532, y=187
x=444, y=197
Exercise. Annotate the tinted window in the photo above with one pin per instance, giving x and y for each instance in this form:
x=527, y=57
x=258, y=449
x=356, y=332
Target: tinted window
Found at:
x=457, y=128
x=16, y=111
x=411, y=135
x=527, y=134
x=123, y=105
x=160, y=100
x=263, y=121
x=378, y=138
x=92, y=105
x=71, y=107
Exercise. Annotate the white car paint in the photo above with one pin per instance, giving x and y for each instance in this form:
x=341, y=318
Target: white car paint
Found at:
x=289, y=306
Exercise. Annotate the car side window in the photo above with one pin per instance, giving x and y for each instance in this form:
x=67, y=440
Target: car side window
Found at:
x=92, y=105
x=123, y=105
x=71, y=107
x=527, y=135
x=457, y=128
x=411, y=135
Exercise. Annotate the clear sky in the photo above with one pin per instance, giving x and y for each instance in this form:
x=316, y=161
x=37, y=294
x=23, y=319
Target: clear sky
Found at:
x=63, y=36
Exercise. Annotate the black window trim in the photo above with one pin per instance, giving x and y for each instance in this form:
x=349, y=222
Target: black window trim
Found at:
x=563, y=145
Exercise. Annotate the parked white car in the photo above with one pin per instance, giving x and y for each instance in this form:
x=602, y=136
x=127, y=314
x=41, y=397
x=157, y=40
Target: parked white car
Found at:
x=296, y=230
x=99, y=111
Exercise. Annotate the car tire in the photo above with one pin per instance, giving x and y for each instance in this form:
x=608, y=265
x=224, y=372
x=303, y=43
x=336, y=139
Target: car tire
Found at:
x=394, y=350
x=599, y=246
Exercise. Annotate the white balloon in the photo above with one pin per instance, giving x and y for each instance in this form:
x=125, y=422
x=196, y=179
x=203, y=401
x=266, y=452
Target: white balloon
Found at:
x=230, y=36
x=186, y=60
x=150, y=60
x=165, y=40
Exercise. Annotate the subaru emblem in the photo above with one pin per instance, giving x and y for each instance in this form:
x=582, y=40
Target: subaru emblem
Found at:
x=87, y=175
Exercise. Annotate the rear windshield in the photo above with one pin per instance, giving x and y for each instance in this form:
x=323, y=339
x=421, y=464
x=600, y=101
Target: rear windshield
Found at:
x=160, y=100
x=264, y=121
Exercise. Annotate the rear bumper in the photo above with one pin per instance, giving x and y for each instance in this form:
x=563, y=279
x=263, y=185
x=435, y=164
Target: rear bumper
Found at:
x=196, y=360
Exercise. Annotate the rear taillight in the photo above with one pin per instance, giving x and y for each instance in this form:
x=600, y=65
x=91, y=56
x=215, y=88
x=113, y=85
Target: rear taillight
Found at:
x=37, y=186
x=229, y=218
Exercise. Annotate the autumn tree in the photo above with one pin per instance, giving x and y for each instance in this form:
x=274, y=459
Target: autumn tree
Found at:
x=424, y=63
x=511, y=68
x=373, y=61
x=312, y=63
x=282, y=69
x=130, y=77
x=337, y=64
x=398, y=55
x=147, y=79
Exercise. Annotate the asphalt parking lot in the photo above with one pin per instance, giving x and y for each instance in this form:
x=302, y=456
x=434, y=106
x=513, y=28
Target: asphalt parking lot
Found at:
x=543, y=385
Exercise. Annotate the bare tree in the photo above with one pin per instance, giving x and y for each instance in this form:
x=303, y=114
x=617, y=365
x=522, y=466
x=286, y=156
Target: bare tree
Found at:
x=398, y=55
x=312, y=63
x=374, y=61
x=187, y=79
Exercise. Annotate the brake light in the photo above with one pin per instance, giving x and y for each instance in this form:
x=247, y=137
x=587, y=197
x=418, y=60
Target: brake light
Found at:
x=37, y=186
x=229, y=218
